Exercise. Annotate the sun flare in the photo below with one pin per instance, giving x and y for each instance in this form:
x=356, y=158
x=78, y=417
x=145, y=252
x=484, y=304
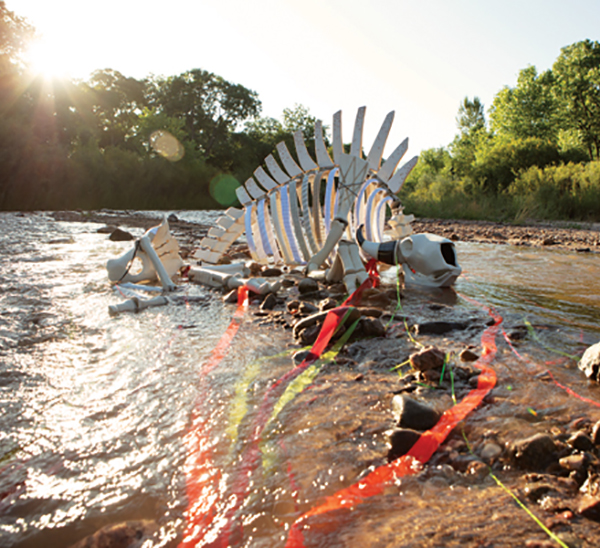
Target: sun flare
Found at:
x=47, y=60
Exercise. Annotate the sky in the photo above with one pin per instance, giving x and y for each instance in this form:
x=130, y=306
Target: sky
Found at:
x=419, y=58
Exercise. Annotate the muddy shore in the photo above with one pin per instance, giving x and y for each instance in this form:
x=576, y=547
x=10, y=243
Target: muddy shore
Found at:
x=551, y=462
x=580, y=237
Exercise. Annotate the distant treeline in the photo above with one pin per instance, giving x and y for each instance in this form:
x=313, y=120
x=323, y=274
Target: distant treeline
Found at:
x=88, y=145
x=538, y=156
x=72, y=144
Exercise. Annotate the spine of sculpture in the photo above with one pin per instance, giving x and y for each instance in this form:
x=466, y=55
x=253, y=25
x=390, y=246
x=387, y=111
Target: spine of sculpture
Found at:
x=296, y=213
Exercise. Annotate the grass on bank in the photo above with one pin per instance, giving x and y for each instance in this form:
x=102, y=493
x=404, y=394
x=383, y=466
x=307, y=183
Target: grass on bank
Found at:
x=567, y=192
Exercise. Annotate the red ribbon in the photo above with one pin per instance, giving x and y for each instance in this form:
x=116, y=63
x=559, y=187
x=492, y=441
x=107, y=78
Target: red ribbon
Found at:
x=374, y=483
x=202, y=476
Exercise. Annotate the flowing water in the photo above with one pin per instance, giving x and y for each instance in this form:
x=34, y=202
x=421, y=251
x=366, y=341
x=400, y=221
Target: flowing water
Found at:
x=96, y=411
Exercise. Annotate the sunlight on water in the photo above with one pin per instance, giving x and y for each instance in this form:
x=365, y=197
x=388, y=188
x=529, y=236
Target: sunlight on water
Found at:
x=98, y=411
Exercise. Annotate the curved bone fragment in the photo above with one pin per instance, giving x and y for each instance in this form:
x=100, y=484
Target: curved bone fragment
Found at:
x=376, y=152
x=295, y=220
x=304, y=158
x=288, y=162
x=323, y=158
x=278, y=174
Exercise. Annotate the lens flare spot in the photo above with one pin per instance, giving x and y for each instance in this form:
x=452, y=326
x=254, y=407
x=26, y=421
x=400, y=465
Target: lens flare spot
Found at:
x=222, y=189
x=167, y=145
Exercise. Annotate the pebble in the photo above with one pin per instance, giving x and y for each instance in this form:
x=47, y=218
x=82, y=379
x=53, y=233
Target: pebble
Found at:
x=118, y=235
x=438, y=328
x=401, y=440
x=573, y=462
x=327, y=304
x=534, y=453
x=596, y=433
x=413, y=414
x=428, y=358
x=307, y=285
x=490, y=451
x=580, y=440
x=467, y=355
x=269, y=302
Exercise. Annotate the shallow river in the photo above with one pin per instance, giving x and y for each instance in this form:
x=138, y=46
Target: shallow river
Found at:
x=96, y=411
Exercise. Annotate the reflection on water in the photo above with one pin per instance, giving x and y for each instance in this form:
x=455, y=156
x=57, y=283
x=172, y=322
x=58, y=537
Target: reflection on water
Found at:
x=95, y=409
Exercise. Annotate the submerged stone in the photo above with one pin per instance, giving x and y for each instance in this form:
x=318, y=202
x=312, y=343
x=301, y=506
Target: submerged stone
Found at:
x=410, y=413
x=535, y=453
x=427, y=359
x=401, y=440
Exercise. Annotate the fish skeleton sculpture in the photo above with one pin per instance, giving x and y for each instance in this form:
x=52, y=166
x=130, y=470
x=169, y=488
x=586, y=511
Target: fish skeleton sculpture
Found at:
x=309, y=212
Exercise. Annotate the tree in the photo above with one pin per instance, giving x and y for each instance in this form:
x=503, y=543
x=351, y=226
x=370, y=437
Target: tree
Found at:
x=529, y=109
x=472, y=133
x=212, y=108
x=117, y=101
x=577, y=87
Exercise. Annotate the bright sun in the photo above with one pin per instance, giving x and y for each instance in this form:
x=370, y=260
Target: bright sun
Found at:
x=47, y=60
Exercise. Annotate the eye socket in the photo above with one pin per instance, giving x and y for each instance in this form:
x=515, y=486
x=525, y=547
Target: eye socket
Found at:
x=448, y=253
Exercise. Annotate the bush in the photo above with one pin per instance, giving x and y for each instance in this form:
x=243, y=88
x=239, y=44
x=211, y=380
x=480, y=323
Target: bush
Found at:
x=568, y=191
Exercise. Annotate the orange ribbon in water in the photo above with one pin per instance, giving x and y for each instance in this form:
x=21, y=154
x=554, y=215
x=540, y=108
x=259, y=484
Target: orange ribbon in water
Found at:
x=203, y=477
x=374, y=483
x=250, y=458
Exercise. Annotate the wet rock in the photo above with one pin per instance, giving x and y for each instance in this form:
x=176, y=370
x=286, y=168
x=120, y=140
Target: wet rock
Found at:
x=300, y=356
x=401, y=440
x=307, y=285
x=327, y=304
x=309, y=321
x=490, y=451
x=580, y=440
x=118, y=235
x=534, y=491
x=371, y=327
x=467, y=355
x=534, y=453
x=231, y=297
x=107, y=229
x=596, y=434
x=518, y=333
x=439, y=327
x=478, y=470
x=307, y=308
x=130, y=534
x=173, y=218
x=548, y=240
x=269, y=302
x=427, y=359
x=413, y=414
x=292, y=306
x=590, y=362
x=573, y=462
x=589, y=507
x=308, y=335
x=376, y=297
x=271, y=272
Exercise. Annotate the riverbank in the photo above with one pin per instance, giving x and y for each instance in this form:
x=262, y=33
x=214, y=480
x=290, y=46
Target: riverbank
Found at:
x=540, y=440
x=580, y=237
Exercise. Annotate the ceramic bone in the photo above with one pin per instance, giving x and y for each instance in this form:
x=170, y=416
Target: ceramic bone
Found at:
x=307, y=212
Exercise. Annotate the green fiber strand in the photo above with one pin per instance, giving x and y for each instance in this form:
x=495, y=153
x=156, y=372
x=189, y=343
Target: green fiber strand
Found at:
x=517, y=500
x=532, y=332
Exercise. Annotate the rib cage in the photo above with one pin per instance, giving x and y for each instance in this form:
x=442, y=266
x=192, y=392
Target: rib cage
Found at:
x=287, y=211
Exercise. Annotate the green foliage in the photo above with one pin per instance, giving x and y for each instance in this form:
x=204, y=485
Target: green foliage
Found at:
x=496, y=166
x=528, y=110
x=567, y=191
x=577, y=87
